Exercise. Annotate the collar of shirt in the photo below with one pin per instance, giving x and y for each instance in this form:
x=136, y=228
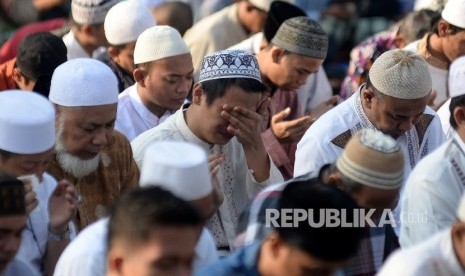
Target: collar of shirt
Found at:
x=185, y=131
x=150, y=119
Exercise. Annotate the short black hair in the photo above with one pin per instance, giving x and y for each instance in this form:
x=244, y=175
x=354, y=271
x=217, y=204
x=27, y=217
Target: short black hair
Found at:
x=137, y=212
x=455, y=102
x=5, y=155
x=325, y=243
x=214, y=89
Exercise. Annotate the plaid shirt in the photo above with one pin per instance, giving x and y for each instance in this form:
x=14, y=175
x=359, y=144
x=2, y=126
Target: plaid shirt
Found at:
x=375, y=247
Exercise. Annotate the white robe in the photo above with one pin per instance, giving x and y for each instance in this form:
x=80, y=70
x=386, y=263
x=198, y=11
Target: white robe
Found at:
x=324, y=141
x=18, y=268
x=314, y=92
x=433, y=192
x=432, y=257
x=75, y=49
x=133, y=117
x=35, y=236
x=86, y=255
x=234, y=178
x=444, y=115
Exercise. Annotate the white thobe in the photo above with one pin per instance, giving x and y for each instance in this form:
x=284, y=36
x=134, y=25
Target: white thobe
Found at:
x=313, y=93
x=324, y=141
x=35, y=236
x=433, y=192
x=444, y=116
x=75, y=49
x=133, y=117
x=439, y=76
x=234, y=177
x=432, y=257
x=86, y=255
x=18, y=268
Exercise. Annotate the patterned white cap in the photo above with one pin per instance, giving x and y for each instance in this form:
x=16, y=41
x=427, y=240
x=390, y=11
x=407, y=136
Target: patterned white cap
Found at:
x=401, y=74
x=137, y=18
x=457, y=77
x=179, y=167
x=157, y=43
x=454, y=12
x=229, y=64
x=91, y=12
x=83, y=82
x=373, y=159
x=27, y=122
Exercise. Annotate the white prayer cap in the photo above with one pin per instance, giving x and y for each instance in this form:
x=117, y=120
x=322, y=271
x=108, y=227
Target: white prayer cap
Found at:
x=373, y=159
x=457, y=77
x=454, y=13
x=137, y=18
x=265, y=4
x=27, y=122
x=401, y=74
x=157, y=43
x=83, y=82
x=179, y=167
x=91, y=12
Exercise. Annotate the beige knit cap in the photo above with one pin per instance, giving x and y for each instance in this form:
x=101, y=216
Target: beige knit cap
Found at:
x=401, y=74
x=157, y=43
x=373, y=159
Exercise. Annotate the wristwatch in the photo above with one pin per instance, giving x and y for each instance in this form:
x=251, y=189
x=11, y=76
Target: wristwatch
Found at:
x=59, y=237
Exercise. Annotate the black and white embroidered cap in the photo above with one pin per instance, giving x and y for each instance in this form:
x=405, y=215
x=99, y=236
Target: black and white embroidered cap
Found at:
x=229, y=64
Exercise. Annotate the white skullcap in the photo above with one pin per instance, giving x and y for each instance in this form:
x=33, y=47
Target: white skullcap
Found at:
x=179, y=167
x=27, y=122
x=401, y=74
x=83, y=82
x=457, y=77
x=454, y=13
x=264, y=4
x=91, y=12
x=137, y=18
x=373, y=159
x=157, y=43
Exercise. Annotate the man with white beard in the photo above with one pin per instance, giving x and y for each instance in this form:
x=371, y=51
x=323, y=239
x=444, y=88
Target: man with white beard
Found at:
x=89, y=153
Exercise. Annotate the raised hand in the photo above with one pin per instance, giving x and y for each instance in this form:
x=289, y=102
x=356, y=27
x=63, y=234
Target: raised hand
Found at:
x=62, y=206
x=289, y=131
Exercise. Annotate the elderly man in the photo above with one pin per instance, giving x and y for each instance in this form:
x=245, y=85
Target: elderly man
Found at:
x=393, y=101
x=189, y=179
x=27, y=141
x=122, y=36
x=434, y=187
x=38, y=55
x=225, y=28
x=368, y=151
x=12, y=223
x=87, y=36
x=89, y=153
x=441, y=254
x=441, y=47
x=163, y=79
x=224, y=119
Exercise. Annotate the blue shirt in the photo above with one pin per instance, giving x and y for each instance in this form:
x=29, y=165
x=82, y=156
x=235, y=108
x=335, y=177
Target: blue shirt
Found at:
x=242, y=262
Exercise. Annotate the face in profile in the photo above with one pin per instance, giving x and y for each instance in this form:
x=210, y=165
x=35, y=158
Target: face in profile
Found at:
x=168, y=251
x=11, y=230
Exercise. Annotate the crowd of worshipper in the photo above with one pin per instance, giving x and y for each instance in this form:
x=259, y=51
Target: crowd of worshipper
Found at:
x=232, y=137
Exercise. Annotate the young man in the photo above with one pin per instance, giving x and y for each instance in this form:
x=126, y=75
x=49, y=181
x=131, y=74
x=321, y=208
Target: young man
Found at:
x=224, y=119
x=38, y=56
x=152, y=232
x=27, y=141
x=87, y=36
x=301, y=249
x=122, y=36
x=163, y=79
x=89, y=153
x=434, y=187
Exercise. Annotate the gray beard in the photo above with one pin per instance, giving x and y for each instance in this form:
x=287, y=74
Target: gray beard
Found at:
x=73, y=164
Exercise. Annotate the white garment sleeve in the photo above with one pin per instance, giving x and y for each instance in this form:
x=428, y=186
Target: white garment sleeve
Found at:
x=311, y=156
x=205, y=250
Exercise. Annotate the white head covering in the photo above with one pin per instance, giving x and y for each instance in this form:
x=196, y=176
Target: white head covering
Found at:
x=157, y=43
x=83, y=82
x=27, y=122
x=263, y=4
x=454, y=13
x=401, y=74
x=137, y=18
x=91, y=12
x=373, y=159
x=179, y=167
x=457, y=77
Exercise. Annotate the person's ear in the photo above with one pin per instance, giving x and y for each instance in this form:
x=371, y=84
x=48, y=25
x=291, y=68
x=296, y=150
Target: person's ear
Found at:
x=113, y=53
x=21, y=80
x=368, y=96
x=275, y=244
x=459, y=115
x=276, y=54
x=87, y=29
x=443, y=28
x=197, y=93
x=334, y=179
x=139, y=75
x=458, y=233
x=114, y=264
